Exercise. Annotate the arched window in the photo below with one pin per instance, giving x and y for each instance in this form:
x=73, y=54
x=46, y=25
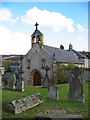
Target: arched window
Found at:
x=34, y=40
x=43, y=63
x=39, y=39
x=28, y=63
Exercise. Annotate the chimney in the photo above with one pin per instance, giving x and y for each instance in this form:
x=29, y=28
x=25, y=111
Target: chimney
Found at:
x=61, y=47
x=70, y=47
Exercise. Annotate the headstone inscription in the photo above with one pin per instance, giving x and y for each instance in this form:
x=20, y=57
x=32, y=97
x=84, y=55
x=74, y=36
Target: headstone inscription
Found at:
x=76, y=83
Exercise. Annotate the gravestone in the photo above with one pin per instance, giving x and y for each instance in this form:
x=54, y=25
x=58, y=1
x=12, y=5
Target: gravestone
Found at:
x=23, y=104
x=57, y=115
x=46, y=79
x=19, y=83
x=11, y=82
x=53, y=91
x=19, y=80
x=76, y=83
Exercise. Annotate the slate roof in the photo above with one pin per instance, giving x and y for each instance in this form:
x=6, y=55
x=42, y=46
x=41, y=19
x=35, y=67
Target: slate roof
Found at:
x=79, y=54
x=62, y=55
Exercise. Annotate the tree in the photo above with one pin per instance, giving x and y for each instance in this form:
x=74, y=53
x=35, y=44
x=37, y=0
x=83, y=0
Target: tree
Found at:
x=7, y=63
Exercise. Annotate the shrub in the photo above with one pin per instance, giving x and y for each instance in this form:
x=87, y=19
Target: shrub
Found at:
x=60, y=74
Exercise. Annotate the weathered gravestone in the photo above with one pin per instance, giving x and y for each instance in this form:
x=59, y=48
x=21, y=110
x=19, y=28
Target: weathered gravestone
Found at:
x=11, y=81
x=53, y=91
x=46, y=79
x=23, y=104
x=58, y=115
x=19, y=83
x=76, y=83
x=15, y=79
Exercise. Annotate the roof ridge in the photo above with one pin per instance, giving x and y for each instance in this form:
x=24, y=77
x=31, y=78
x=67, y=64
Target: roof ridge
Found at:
x=51, y=47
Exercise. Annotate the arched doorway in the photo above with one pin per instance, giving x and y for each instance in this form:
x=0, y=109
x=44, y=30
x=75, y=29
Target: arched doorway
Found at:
x=36, y=78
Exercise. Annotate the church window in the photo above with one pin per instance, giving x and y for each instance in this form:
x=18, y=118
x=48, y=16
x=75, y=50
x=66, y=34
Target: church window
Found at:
x=43, y=63
x=28, y=63
x=34, y=40
x=38, y=38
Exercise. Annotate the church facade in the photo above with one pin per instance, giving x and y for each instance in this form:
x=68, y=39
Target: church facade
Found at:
x=40, y=56
x=35, y=60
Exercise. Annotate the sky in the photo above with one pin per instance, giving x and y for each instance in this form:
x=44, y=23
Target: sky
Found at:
x=61, y=23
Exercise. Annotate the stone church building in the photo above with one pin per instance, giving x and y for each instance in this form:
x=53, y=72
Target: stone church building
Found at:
x=39, y=56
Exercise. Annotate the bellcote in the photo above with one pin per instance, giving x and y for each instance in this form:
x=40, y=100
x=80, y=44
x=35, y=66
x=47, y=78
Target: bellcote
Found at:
x=37, y=37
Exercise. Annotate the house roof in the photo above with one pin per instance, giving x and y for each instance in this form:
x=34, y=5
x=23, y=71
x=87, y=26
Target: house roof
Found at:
x=79, y=54
x=62, y=55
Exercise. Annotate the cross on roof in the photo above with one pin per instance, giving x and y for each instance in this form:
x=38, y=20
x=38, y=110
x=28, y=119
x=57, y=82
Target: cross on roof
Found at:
x=36, y=25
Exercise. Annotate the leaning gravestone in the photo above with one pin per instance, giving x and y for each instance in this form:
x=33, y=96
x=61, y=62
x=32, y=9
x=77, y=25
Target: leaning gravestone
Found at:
x=23, y=104
x=46, y=79
x=76, y=85
x=53, y=91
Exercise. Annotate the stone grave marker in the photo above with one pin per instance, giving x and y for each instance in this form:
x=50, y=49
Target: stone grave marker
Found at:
x=57, y=115
x=23, y=104
x=11, y=82
x=76, y=83
x=53, y=91
x=19, y=83
x=46, y=79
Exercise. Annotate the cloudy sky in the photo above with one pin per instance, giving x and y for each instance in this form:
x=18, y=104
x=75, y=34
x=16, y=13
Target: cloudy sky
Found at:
x=61, y=23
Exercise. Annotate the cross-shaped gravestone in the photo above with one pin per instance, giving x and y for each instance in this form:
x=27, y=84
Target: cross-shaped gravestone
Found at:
x=36, y=25
x=46, y=79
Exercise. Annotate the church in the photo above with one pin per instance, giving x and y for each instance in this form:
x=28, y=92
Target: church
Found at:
x=40, y=56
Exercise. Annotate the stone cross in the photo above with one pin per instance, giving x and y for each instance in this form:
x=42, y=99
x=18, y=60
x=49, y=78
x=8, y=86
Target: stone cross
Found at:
x=46, y=79
x=47, y=68
x=36, y=25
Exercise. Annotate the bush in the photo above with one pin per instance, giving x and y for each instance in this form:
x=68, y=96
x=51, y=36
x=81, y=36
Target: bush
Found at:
x=61, y=74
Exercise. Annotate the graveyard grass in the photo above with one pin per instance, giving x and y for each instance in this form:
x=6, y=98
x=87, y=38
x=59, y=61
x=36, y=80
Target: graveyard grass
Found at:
x=48, y=106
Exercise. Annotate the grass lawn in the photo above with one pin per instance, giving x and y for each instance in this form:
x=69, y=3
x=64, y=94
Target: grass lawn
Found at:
x=48, y=105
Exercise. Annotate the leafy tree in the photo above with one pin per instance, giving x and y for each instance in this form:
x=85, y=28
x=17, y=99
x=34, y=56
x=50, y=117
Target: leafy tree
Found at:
x=7, y=63
x=70, y=66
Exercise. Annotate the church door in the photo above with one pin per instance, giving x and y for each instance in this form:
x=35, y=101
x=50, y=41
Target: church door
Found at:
x=37, y=78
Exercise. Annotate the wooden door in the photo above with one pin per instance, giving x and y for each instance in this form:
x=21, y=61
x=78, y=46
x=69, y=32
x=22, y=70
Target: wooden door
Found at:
x=37, y=79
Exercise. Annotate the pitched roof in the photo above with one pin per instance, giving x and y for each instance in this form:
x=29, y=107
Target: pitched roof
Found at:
x=79, y=54
x=36, y=32
x=62, y=55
